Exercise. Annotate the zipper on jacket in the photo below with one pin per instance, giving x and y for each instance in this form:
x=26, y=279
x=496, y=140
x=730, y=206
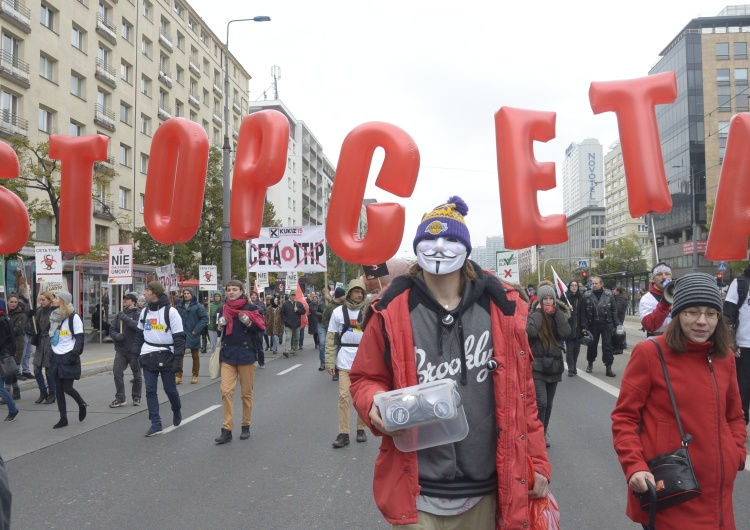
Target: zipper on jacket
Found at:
x=721, y=457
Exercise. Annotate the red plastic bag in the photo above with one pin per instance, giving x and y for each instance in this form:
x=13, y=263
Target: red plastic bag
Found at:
x=544, y=514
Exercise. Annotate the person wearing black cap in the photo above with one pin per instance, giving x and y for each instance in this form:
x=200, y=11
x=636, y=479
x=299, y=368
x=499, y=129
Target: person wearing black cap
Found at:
x=696, y=348
x=124, y=330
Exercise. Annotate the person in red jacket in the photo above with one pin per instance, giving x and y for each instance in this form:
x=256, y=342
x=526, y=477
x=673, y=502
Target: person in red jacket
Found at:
x=447, y=319
x=653, y=308
x=697, y=351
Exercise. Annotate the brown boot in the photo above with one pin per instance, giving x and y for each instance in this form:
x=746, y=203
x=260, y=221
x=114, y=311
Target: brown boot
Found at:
x=178, y=379
x=194, y=380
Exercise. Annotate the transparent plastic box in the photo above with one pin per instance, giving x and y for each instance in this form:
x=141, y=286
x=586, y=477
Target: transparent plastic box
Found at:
x=429, y=414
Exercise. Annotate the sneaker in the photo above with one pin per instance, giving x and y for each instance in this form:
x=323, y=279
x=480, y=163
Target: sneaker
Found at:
x=16, y=393
x=321, y=367
x=286, y=354
x=340, y=441
x=546, y=438
x=178, y=380
x=194, y=380
x=116, y=404
x=361, y=436
x=590, y=368
x=27, y=375
x=224, y=437
x=335, y=377
x=176, y=417
x=245, y=432
x=261, y=366
x=136, y=402
x=11, y=416
x=153, y=431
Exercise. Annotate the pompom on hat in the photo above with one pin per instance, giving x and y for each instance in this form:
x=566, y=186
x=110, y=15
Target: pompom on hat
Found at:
x=446, y=220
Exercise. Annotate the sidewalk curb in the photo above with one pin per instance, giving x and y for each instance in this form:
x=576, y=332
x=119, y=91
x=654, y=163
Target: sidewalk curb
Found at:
x=31, y=384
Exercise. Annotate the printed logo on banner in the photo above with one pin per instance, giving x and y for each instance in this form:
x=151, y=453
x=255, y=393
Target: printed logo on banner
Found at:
x=208, y=277
x=261, y=279
x=49, y=264
x=300, y=249
x=507, y=266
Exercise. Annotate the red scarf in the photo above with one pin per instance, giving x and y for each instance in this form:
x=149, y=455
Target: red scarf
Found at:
x=232, y=310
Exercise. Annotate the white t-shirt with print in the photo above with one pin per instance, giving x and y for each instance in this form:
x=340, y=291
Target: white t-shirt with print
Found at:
x=353, y=335
x=155, y=329
x=742, y=334
x=67, y=339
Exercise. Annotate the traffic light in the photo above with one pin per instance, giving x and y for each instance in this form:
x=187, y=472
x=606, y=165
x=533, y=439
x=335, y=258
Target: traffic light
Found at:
x=585, y=276
x=720, y=280
x=601, y=254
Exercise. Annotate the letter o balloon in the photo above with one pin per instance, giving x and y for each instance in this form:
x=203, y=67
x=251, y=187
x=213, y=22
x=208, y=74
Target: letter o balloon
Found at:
x=14, y=223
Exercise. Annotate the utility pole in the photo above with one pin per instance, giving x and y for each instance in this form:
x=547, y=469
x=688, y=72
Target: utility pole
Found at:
x=276, y=73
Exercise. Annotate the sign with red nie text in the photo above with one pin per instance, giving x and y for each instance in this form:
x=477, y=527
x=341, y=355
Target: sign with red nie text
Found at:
x=121, y=264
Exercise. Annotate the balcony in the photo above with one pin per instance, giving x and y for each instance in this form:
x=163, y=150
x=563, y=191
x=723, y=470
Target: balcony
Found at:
x=194, y=100
x=104, y=117
x=106, y=72
x=164, y=111
x=165, y=78
x=16, y=12
x=11, y=124
x=165, y=39
x=194, y=66
x=217, y=119
x=13, y=68
x=237, y=107
x=106, y=166
x=106, y=28
x=103, y=208
x=217, y=90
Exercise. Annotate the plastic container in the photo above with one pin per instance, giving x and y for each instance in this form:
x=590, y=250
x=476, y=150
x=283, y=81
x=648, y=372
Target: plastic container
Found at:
x=429, y=414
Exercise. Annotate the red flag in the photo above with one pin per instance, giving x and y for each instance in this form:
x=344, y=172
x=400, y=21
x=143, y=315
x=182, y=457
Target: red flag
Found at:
x=560, y=287
x=301, y=298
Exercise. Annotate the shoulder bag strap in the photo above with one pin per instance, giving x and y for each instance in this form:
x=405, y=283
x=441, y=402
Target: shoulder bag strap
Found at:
x=686, y=439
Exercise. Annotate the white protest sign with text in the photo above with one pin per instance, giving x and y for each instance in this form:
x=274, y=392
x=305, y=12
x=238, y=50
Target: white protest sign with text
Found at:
x=49, y=264
x=208, y=277
x=278, y=248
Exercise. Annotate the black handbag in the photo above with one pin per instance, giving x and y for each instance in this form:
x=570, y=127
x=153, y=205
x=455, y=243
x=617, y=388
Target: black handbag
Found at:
x=8, y=367
x=673, y=471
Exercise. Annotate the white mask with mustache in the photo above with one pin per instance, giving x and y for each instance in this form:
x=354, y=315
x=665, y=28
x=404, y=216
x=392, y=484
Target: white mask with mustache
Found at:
x=441, y=255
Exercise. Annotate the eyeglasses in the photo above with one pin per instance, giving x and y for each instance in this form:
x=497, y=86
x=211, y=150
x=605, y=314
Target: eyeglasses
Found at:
x=695, y=314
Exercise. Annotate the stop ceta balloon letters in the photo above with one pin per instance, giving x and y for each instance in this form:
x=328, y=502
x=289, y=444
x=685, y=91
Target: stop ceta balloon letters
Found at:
x=633, y=101
x=261, y=161
x=14, y=223
x=730, y=227
x=176, y=181
x=385, y=221
x=77, y=155
x=521, y=176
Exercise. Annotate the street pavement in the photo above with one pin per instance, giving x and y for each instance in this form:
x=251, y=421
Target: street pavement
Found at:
x=103, y=473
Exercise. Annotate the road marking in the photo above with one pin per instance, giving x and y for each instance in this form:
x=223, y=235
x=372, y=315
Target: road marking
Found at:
x=191, y=418
x=99, y=361
x=613, y=390
x=289, y=369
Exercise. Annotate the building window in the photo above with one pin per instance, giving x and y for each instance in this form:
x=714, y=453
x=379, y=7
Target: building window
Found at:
x=179, y=10
x=145, y=125
x=76, y=129
x=722, y=75
x=142, y=206
x=723, y=135
x=43, y=229
x=193, y=116
x=47, y=17
x=76, y=85
x=124, y=199
x=125, y=156
x=192, y=24
x=144, y=163
x=78, y=38
x=722, y=50
x=205, y=97
x=127, y=31
x=740, y=89
x=101, y=235
x=145, y=86
x=146, y=46
x=180, y=41
x=125, y=112
x=46, y=120
x=126, y=72
x=180, y=75
x=179, y=108
x=148, y=10
x=204, y=37
x=47, y=68
x=740, y=50
x=725, y=97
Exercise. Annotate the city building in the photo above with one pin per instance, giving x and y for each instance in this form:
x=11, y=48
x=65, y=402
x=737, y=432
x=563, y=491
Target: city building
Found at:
x=486, y=255
x=586, y=237
x=620, y=224
x=582, y=176
x=709, y=56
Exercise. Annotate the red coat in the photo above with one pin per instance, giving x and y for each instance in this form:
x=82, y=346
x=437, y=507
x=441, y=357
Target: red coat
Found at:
x=710, y=410
x=396, y=477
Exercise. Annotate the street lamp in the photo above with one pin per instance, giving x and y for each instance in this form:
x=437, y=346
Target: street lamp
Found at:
x=693, y=217
x=226, y=240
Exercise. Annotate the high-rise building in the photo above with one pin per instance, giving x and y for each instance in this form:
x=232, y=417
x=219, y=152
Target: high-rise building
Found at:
x=118, y=69
x=586, y=237
x=709, y=56
x=582, y=176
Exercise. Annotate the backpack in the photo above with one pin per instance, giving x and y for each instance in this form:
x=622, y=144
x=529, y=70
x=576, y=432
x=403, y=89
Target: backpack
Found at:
x=348, y=324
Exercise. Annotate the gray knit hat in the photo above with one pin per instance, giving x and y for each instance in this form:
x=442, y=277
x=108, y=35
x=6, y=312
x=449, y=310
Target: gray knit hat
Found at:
x=696, y=289
x=66, y=297
x=545, y=290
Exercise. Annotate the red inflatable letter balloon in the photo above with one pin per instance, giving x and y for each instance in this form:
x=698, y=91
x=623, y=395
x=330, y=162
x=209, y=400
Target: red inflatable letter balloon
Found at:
x=176, y=181
x=260, y=163
x=731, y=223
x=14, y=223
x=633, y=101
x=385, y=221
x=521, y=176
x=77, y=155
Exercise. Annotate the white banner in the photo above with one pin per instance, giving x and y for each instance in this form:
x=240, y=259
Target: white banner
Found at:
x=208, y=277
x=299, y=248
x=168, y=277
x=121, y=261
x=120, y=281
x=261, y=279
x=49, y=264
x=291, y=281
x=507, y=266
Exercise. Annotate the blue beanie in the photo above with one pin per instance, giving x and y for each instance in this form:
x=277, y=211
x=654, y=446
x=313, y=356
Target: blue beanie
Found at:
x=446, y=220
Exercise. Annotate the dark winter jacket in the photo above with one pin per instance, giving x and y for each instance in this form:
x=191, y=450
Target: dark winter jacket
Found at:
x=274, y=325
x=598, y=308
x=291, y=314
x=575, y=300
x=241, y=346
x=18, y=317
x=621, y=304
x=124, y=341
x=44, y=348
x=312, y=316
x=194, y=319
x=7, y=345
x=548, y=360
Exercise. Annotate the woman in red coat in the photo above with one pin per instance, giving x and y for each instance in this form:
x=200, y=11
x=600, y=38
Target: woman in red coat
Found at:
x=700, y=362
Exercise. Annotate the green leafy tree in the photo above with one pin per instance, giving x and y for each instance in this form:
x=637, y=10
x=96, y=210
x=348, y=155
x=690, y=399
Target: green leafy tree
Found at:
x=623, y=255
x=148, y=251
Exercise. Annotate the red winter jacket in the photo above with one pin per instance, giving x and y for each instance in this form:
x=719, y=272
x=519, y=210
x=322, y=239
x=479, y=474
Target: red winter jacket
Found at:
x=644, y=425
x=396, y=477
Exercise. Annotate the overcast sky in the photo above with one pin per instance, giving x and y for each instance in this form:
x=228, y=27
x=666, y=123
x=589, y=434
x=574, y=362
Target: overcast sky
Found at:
x=440, y=70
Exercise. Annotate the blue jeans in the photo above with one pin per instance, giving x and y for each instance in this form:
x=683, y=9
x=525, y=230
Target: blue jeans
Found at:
x=5, y=395
x=50, y=388
x=322, y=343
x=170, y=388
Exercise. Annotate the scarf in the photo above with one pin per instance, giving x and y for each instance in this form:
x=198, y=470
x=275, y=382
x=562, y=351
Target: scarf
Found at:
x=55, y=319
x=232, y=310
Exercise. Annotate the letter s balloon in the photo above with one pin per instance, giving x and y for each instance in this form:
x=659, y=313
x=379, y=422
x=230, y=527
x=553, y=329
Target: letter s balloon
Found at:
x=14, y=223
x=385, y=221
x=176, y=181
